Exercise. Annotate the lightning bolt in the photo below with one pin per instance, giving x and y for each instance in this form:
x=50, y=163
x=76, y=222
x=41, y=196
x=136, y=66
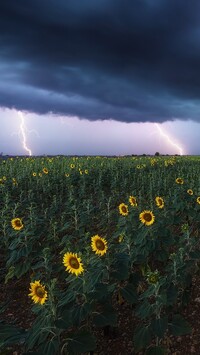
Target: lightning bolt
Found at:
x=23, y=133
x=168, y=139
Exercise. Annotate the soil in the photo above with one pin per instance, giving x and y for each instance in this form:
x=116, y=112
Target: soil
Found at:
x=116, y=342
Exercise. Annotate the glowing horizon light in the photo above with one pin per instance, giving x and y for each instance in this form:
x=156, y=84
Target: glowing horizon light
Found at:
x=23, y=133
x=163, y=134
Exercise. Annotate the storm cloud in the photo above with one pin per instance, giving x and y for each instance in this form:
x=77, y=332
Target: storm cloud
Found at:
x=127, y=60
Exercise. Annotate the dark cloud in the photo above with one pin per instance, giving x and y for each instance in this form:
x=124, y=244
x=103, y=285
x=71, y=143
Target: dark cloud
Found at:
x=130, y=60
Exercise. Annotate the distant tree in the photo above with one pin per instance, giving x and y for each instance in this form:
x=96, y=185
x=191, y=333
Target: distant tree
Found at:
x=157, y=154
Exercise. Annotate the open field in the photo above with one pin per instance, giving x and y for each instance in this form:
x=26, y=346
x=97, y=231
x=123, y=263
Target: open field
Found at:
x=97, y=246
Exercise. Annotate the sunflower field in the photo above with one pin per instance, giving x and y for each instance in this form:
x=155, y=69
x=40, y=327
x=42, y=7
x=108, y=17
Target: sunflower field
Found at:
x=90, y=233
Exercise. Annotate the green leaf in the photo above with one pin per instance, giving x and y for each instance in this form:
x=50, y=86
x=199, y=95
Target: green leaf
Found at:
x=172, y=294
x=51, y=346
x=141, y=236
x=10, y=274
x=129, y=294
x=144, y=310
x=159, y=326
x=11, y=335
x=62, y=324
x=179, y=326
x=156, y=350
x=81, y=342
x=80, y=312
x=148, y=293
x=100, y=292
x=107, y=317
x=93, y=278
x=22, y=269
x=121, y=266
x=162, y=255
x=142, y=337
x=35, y=334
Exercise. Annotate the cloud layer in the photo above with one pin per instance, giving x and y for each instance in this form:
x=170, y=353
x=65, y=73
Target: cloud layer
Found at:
x=129, y=60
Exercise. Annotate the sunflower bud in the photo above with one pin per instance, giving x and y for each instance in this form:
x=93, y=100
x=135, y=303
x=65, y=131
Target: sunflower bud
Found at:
x=153, y=278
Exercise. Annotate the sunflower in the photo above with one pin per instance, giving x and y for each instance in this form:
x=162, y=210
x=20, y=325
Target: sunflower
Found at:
x=38, y=292
x=72, y=166
x=34, y=174
x=190, y=192
x=147, y=217
x=133, y=201
x=99, y=245
x=179, y=181
x=185, y=227
x=45, y=170
x=14, y=181
x=159, y=202
x=198, y=200
x=17, y=224
x=153, y=278
x=123, y=209
x=120, y=238
x=73, y=263
x=86, y=171
x=67, y=175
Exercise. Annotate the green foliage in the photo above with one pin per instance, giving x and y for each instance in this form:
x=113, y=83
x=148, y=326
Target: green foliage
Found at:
x=159, y=326
x=179, y=326
x=107, y=317
x=149, y=267
x=142, y=337
x=81, y=342
x=10, y=335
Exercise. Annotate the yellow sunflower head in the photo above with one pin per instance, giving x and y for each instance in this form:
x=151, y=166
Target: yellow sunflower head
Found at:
x=147, y=217
x=179, y=181
x=14, y=181
x=198, y=200
x=38, y=292
x=123, y=209
x=159, y=202
x=45, y=170
x=190, y=192
x=34, y=174
x=72, y=263
x=17, y=224
x=72, y=166
x=133, y=201
x=67, y=175
x=120, y=238
x=99, y=245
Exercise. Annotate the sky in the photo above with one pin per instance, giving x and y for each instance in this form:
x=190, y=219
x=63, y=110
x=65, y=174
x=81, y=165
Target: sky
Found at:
x=103, y=77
